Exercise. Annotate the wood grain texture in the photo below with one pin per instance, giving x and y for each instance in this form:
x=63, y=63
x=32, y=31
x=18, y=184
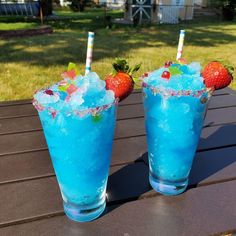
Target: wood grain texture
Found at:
x=33, y=198
x=24, y=108
x=29, y=191
x=15, y=102
x=211, y=167
x=220, y=116
x=222, y=101
x=31, y=123
x=31, y=141
x=201, y=211
x=208, y=167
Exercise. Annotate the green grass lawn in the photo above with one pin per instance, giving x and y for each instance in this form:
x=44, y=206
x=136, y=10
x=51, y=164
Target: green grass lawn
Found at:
x=27, y=64
x=17, y=26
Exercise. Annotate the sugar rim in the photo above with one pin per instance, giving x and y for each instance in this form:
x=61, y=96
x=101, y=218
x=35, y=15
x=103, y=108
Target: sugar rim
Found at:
x=81, y=113
x=171, y=92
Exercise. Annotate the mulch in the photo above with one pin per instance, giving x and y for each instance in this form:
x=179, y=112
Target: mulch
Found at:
x=26, y=32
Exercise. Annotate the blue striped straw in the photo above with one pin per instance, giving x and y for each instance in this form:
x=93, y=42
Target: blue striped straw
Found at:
x=181, y=44
x=89, y=52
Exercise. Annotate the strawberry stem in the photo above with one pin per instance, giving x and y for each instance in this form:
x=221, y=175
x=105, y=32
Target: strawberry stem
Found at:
x=121, y=64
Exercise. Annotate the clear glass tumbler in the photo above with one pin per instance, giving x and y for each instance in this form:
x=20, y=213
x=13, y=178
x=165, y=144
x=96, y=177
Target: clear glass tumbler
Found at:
x=80, y=146
x=173, y=123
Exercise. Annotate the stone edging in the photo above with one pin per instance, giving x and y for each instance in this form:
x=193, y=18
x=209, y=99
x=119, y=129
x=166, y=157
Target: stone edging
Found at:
x=26, y=32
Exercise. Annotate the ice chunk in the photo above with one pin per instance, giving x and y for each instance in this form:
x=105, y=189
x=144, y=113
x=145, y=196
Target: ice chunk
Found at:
x=79, y=93
x=188, y=78
x=195, y=67
x=46, y=98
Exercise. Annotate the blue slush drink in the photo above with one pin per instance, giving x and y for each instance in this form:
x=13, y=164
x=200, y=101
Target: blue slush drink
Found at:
x=78, y=118
x=175, y=99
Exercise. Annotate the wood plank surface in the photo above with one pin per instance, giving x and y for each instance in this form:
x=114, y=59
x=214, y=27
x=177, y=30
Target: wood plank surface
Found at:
x=222, y=101
x=224, y=91
x=213, y=166
x=24, y=142
x=217, y=137
x=35, y=164
x=41, y=196
x=200, y=211
x=208, y=167
x=220, y=116
x=15, y=102
x=30, y=123
x=28, y=141
x=25, y=108
x=35, y=204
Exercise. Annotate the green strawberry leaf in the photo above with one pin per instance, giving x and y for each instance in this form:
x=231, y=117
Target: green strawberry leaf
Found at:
x=230, y=69
x=121, y=64
x=137, y=82
x=136, y=68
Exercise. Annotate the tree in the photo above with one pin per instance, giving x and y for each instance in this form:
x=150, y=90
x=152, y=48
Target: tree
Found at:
x=78, y=5
x=227, y=7
x=46, y=6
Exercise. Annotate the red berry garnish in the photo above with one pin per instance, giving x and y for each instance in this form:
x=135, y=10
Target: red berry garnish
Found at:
x=168, y=64
x=48, y=92
x=54, y=113
x=166, y=75
x=217, y=75
x=121, y=81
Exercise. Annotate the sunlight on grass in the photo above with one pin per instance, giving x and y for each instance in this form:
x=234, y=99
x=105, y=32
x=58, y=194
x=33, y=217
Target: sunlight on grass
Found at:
x=27, y=64
x=17, y=26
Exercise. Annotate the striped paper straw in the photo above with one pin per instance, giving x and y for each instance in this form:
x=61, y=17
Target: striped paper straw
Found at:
x=89, y=52
x=181, y=44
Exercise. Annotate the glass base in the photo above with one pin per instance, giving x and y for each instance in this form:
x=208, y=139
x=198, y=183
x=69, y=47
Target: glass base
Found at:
x=166, y=187
x=84, y=213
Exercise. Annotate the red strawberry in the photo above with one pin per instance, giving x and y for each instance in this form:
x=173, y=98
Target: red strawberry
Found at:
x=216, y=75
x=121, y=81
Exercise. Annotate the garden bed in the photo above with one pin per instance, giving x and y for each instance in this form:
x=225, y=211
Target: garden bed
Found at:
x=26, y=32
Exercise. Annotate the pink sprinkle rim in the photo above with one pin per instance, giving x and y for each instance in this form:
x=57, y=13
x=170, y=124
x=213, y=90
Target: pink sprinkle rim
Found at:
x=170, y=92
x=90, y=111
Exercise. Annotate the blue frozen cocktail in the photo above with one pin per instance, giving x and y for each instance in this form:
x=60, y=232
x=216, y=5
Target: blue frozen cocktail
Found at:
x=175, y=99
x=78, y=118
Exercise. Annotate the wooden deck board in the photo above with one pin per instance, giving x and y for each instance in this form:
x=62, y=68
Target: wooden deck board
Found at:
x=25, y=108
x=30, y=123
x=32, y=205
x=200, y=211
x=41, y=196
x=208, y=168
x=31, y=141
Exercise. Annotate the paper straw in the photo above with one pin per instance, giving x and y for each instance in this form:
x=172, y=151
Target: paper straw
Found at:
x=181, y=44
x=89, y=52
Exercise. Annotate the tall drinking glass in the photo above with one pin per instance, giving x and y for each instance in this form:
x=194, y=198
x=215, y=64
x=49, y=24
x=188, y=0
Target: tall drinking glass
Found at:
x=173, y=123
x=80, y=146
